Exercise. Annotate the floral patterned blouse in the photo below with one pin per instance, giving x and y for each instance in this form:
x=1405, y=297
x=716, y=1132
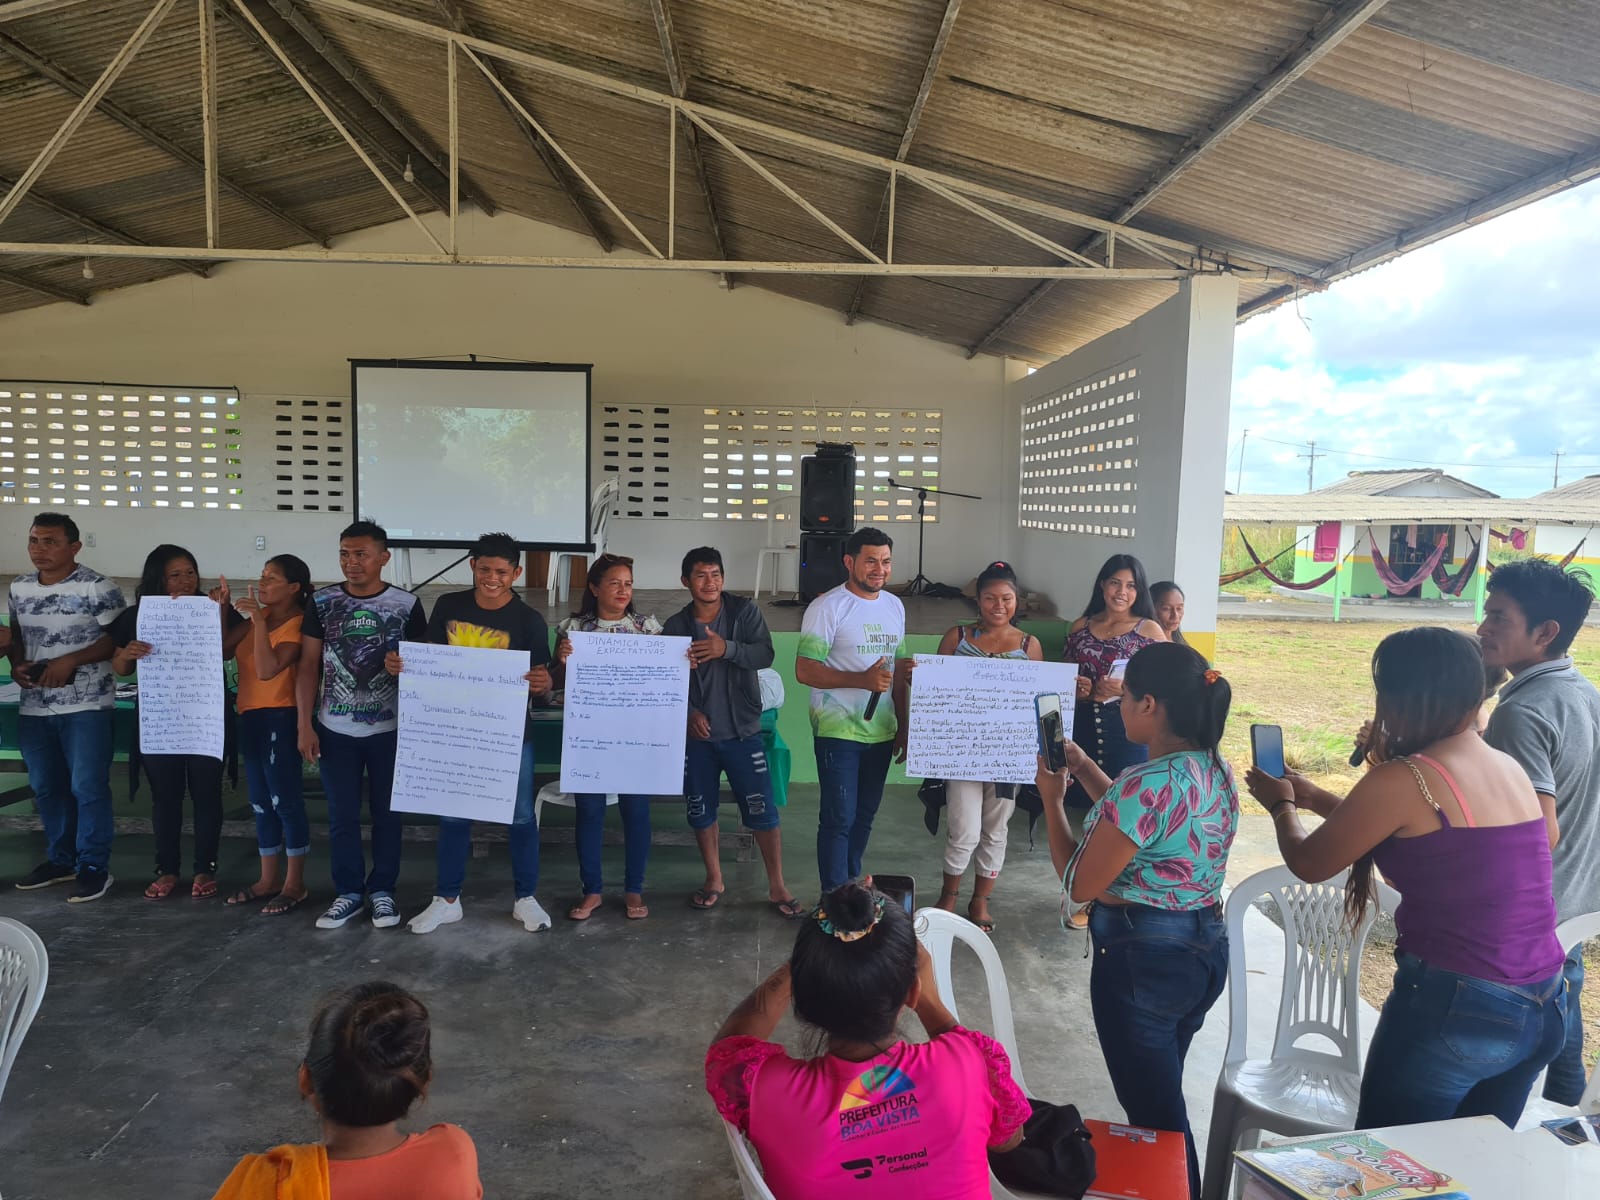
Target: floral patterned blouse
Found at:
x=1181, y=811
x=1094, y=656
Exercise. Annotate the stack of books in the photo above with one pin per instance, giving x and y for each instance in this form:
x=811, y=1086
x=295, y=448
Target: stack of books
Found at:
x=1341, y=1166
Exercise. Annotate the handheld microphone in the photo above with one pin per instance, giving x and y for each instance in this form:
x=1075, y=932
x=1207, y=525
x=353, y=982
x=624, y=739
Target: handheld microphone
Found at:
x=872, y=704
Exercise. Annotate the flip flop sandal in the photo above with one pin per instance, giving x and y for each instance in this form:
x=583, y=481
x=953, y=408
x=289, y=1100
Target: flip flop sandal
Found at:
x=284, y=904
x=790, y=909
x=203, y=891
x=579, y=913
x=159, y=890
x=248, y=895
x=637, y=912
x=705, y=899
x=987, y=925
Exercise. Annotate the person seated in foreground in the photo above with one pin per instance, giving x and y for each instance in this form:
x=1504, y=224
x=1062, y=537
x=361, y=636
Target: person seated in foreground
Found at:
x=369, y=1061
x=931, y=1109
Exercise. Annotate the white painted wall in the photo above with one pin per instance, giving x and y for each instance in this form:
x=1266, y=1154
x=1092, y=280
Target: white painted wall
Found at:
x=287, y=329
x=1184, y=350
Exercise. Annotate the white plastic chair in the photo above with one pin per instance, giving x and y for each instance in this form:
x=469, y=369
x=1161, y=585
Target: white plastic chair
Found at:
x=1574, y=932
x=601, y=507
x=24, y=972
x=1299, y=1090
x=551, y=793
x=751, y=1183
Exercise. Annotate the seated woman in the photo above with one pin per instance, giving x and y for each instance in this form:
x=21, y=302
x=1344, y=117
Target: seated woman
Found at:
x=856, y=964
x=1153, y=859
x=369, y=1061
x=1478, y=1008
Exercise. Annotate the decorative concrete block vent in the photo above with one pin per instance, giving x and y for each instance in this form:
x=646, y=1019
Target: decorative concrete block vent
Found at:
x=1080, y=457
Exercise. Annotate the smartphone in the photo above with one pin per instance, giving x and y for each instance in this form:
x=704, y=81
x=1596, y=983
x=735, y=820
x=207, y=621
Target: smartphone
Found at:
x=1052, y=734
x=902, y=889
x=34, y=671
x=1266, y=748
x=1119, y=669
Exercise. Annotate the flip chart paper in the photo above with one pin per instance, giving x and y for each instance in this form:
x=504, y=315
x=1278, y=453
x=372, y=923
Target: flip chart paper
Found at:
x=973, y=718
x=180, y=680
x=627, y=707
x=462, y=711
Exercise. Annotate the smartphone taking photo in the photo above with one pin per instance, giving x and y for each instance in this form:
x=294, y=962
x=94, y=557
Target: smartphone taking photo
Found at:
x=1052, y=733
x=1266, y=748
x=901, y=889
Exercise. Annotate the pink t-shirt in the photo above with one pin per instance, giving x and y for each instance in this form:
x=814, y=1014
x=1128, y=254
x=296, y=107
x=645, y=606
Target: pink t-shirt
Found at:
x=912, y=1124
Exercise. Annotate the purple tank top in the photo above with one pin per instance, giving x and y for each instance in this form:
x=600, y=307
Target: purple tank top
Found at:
x=1476, y=901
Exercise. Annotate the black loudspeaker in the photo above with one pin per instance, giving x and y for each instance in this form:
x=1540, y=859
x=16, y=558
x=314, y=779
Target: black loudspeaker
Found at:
x=821, y=563
x=828, y=493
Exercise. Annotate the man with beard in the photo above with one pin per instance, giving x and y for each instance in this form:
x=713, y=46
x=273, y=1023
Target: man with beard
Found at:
x=351, y=730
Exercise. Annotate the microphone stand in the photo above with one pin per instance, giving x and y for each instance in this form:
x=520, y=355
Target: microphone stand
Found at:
x=920, y=584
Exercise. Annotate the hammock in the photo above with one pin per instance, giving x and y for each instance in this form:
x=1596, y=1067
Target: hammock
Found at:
x=1396, y=585
x=1454, y=585
x=1235, y=576
x=1266, y=570
x=1517, y=537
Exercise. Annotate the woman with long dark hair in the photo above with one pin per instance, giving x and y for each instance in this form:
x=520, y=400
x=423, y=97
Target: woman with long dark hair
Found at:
x=1151, y=865
x=1478, y=1006
x=1167, y=599
x=172, y=571
x=267, y=649
x=1117, y=623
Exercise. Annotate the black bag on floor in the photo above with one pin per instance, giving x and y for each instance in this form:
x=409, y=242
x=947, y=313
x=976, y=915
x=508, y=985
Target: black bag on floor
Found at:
x=932, y=795
x=1055, y=1156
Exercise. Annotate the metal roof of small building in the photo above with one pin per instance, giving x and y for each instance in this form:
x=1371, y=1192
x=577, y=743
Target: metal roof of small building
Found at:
x=1587, y=488
x=1316, y=508
x=1386, y=482
x=1314, y=138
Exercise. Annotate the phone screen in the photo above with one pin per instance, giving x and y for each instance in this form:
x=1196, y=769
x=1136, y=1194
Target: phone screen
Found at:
x=1266, y=747
x=902, y=889
x=1052, y=735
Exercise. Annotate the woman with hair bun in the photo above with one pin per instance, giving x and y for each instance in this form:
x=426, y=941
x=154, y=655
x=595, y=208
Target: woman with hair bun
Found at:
x=934, y=1108
x=1151, y=866
x=976, y=813
x=370, y=1060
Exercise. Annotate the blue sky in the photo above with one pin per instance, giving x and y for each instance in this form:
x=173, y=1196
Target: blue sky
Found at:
x=1479, y=354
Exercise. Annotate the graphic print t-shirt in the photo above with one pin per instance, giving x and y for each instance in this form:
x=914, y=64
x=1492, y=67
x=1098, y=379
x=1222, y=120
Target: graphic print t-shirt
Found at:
x=359, y=697
x=912, y=1124
x=847, y=633
x=458, y=620
x=62, y=618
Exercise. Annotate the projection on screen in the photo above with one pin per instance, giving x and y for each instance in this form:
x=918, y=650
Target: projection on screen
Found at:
x=448, y=451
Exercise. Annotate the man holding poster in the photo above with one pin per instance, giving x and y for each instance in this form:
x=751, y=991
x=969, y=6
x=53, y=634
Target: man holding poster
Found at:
x=491, y=616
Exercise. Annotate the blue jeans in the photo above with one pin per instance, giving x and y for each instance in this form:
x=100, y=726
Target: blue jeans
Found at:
x=1155, y=976
x=1565, y=1080
x=268, y=740
x=745, y=762
x=850, y=777
x=68, y=756
x=455, y=841
x=344, y=760
x=1449, y=1045
x=591, y=820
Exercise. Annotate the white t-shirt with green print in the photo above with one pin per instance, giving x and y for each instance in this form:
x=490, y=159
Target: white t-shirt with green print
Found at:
x=847, y=633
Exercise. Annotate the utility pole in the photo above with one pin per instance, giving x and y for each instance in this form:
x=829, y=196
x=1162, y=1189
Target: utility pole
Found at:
x=1311, y=465
x=1238, y=486
x=1556, y=481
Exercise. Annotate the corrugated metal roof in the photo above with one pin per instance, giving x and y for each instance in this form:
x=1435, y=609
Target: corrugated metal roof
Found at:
x=1384, y=483
x=1431, y=110
x=1314, y=508
x=1587, y=488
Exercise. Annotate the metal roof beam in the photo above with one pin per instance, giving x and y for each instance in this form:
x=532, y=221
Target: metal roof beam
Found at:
x=86, y=222
x=680, y=89
x=457, y=20
x=44, y=289
x=42, y=66
x=380, y=104
x=1338, y=23
x=929, y=73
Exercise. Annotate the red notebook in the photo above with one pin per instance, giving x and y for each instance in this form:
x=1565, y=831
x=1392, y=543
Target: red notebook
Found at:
x=1137, y=1164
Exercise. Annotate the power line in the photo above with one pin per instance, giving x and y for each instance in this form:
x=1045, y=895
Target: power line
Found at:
x=1425, y=462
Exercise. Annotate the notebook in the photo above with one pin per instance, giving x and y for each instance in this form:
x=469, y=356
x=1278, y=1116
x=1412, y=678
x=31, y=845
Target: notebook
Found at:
x=1341, y=1166
x=1131, y=1163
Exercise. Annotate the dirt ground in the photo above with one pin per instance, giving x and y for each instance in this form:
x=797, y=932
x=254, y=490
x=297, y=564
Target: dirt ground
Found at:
x=1313, y=679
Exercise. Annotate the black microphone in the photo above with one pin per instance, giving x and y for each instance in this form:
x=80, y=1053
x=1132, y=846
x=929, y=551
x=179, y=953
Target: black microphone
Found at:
x=1359, y=754
x=872, y=704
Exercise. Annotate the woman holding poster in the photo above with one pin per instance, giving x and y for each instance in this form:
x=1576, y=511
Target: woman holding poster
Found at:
x=607, y=607
x=976, y=814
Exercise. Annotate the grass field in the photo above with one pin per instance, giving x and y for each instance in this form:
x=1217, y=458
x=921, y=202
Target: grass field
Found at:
x=1314, y=679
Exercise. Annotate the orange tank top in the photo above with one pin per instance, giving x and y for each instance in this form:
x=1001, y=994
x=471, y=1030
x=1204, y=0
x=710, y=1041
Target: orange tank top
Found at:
x=255, y=692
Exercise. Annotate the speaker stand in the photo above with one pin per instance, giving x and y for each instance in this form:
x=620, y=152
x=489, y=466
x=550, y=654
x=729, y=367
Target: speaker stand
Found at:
x=920, y=584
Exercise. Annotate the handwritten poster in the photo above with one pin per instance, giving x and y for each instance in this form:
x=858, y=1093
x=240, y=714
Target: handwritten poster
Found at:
x=973, y=718
x=462, y=712
x=180, y=680
x=627, y=707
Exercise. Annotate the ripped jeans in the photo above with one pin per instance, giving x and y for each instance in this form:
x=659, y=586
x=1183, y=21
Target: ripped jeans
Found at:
x=269, y=740
x=744, y=760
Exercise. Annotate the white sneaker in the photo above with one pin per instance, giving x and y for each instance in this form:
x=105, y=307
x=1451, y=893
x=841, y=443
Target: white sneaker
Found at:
x=439, y=912
x=531, y=914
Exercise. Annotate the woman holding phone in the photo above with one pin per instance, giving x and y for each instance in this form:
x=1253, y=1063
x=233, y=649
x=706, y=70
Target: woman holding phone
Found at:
x=1118, y=622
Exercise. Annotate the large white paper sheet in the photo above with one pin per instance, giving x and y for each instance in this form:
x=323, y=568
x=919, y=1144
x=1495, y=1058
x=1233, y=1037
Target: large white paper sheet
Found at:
x=180, y=680
x=627, y=708
x=462, y=713
x=973, y=718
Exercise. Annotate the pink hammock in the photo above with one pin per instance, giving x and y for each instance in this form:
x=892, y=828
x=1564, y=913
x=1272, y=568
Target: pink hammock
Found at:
x=1396, y=585
x=1278, y=579
x=1454, y=585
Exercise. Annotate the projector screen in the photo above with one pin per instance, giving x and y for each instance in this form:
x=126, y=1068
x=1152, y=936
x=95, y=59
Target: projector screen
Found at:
x=446, y=451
